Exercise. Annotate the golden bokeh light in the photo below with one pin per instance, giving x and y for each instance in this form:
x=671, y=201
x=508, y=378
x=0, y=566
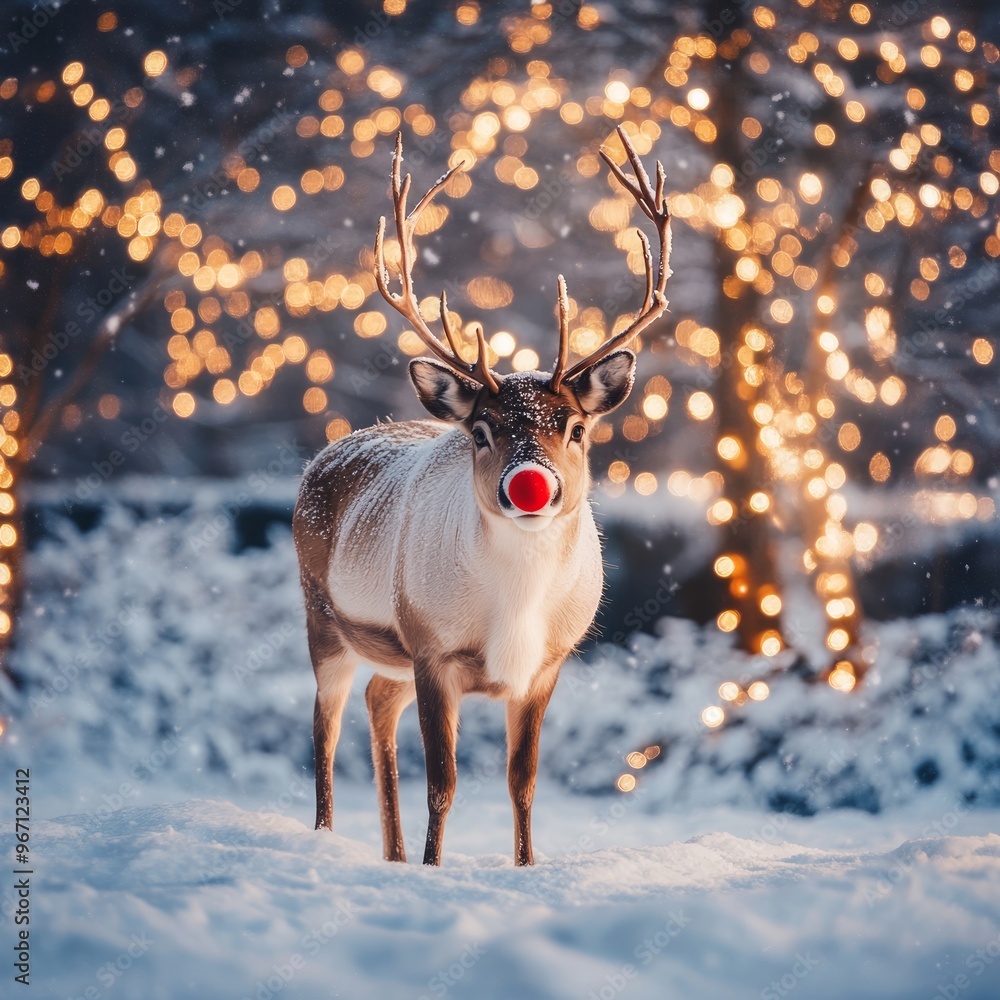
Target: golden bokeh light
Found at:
x=700, y=405
x=771, y=643
x=283, y=197
x=982, y=351
x=626, y=782
x=842, y=677
x=155, y=63
x=767, y=435
x=713, y=716
x=770, y=604
x=729, y=691
x=728, y=621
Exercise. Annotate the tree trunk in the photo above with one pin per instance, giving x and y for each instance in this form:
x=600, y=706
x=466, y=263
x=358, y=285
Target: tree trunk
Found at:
x=829, y=549
x=749, y=539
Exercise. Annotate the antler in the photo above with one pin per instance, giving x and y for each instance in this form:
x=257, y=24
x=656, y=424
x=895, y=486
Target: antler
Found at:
x=654, y=205
x=405, y=302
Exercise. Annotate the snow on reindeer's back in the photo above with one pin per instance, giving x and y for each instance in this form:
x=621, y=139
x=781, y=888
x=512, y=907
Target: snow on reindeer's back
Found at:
x=381, y=455
x=384, y=459
x=369, y=472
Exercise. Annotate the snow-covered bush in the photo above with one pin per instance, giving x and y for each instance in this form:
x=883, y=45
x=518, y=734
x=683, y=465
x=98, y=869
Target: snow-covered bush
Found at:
x=151, y=635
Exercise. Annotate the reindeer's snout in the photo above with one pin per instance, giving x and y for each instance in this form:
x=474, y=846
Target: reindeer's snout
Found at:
x=530, y=489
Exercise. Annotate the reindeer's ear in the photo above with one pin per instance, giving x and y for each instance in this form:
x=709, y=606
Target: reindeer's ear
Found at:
x=606, y=384
x=444, y=393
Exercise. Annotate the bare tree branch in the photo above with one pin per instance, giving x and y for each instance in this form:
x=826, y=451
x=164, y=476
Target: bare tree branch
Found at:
x=133, y=303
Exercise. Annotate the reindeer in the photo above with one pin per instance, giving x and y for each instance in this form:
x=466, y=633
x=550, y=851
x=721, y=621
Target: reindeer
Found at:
x=459, y=555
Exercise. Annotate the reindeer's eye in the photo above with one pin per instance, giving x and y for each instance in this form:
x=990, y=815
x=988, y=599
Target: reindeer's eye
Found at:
x=479, y=436
x=577, y=433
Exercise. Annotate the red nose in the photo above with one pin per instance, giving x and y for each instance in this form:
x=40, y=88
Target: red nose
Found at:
x=529, y=491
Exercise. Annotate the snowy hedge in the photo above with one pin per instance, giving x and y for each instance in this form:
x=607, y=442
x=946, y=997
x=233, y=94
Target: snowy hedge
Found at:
x=151, y=649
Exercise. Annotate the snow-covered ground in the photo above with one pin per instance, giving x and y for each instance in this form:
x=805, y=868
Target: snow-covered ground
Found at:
x=208, y=899
x=165, y=718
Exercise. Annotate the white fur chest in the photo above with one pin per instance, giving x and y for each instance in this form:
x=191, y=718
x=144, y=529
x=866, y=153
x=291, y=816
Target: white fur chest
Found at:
x=426, y=563
x=546, y=590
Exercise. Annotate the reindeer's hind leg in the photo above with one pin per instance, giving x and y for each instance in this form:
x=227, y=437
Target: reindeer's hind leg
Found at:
x=333, y=685
x=333, y=664
x=333, y=660
x=386, y=700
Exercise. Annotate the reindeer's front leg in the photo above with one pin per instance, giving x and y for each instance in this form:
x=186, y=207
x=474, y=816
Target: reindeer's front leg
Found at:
x=437, y=704
x=524, y=724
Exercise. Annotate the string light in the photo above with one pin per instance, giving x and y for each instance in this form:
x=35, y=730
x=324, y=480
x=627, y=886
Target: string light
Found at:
x=768, y=228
